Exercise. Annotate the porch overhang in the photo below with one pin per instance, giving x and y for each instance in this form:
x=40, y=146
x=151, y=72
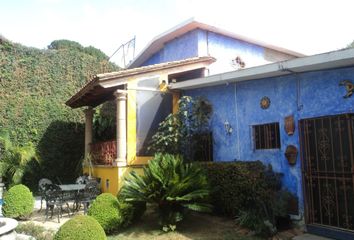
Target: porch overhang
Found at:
x=101, y=87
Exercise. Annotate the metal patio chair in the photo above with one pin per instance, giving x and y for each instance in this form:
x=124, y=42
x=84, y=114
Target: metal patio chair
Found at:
x=55, y=198
x=81, y=180
x=87, y=196
x=42, y=184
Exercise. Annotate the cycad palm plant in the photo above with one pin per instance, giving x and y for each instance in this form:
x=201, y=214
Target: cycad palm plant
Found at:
x=171, y=185
x=14, y=159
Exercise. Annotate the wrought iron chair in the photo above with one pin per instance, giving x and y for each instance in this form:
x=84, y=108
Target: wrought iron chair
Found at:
x=86, y=196
x=55, y=198
x=81, y=180
x=42, y=184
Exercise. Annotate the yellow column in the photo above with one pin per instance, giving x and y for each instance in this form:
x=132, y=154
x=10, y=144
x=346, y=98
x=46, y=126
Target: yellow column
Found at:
x=121, y=101
x=88, y=129
x=176, y=95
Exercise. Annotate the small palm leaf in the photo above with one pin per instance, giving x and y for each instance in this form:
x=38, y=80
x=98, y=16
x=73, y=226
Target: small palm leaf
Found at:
x=14, y=159
x=17, y=177
x=171, y=185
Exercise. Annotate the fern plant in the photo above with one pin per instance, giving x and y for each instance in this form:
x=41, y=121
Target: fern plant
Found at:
x=14, y=159
x=170, y=185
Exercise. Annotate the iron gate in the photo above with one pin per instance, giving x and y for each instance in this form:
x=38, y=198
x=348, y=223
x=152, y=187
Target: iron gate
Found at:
x=328, y=173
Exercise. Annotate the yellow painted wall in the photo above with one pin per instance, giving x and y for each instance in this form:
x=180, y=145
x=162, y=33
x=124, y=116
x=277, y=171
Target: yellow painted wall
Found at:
x=175, y=98
x=115, y=175
x=105, y=173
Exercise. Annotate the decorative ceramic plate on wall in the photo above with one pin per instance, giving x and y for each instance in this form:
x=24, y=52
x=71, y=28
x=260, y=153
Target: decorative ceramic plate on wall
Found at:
x=265, y=102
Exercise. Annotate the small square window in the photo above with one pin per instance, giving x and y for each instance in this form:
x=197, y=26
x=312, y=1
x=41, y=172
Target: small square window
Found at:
x=266, y=136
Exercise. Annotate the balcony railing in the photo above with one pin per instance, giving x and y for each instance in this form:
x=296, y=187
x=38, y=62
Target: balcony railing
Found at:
x=104, y=153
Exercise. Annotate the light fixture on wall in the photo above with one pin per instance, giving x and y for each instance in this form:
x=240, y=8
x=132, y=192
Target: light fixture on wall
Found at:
x=228, y=128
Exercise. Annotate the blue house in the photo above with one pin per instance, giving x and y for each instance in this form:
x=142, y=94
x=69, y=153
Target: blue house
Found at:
x=271, y=104
x=277, y=106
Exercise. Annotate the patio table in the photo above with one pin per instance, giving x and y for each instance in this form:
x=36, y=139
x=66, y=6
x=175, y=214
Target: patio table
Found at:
x=71, y=192
x=72, y=187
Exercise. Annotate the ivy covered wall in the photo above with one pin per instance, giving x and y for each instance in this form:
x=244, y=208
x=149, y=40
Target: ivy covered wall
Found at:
x=34, y=85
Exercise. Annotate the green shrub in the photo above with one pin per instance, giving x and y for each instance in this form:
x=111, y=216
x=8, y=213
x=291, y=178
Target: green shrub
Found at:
x=249, y=191
x=138, y=208
x=253, y=220
x=231, y=181
x=126, y=211
x=18, y=202
x=171, y=186
x=105, y=209
x=81, y=228
x=14, y=160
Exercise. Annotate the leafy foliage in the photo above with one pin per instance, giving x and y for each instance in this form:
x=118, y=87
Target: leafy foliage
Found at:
x=250, y=191
x=34, y=85
x=18, y=202
x=251, y=219
x=81, y=228
x=105, y=209
x=111, y=213
x=172, y=186
x=104, y=124
x=351, y=45
x=126, y=210
x=14, y=160
x=176, y=133
x=75, y=46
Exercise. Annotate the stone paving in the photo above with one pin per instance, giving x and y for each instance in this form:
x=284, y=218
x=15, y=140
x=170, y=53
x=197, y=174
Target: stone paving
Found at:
x=38, y=217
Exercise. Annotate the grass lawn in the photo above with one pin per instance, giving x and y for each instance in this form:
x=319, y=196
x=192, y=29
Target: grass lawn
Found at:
x=195, y=226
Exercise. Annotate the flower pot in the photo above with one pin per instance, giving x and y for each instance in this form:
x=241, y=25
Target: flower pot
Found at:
x=291, y=154
x=289, y=125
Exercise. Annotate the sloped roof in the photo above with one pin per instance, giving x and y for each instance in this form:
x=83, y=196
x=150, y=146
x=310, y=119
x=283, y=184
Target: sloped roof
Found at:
x=158, y=42
x=96, y=90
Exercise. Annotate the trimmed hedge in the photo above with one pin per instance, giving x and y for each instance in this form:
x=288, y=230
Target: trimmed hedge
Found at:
x=105, y=209
x=234, y=183
x=81, y=228
x=111, y=213
x=18, y=202
x=251, y=192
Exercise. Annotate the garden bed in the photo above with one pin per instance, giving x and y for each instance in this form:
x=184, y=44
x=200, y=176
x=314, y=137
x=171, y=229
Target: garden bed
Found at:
x=196, y=226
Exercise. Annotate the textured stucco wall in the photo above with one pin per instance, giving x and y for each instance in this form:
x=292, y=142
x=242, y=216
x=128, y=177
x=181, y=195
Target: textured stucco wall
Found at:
x=185, y=46
x=303, y=95
x=200, y=42
x=225, y=49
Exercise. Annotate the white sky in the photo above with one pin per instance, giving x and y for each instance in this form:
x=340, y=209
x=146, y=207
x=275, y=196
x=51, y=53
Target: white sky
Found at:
x=306, y=26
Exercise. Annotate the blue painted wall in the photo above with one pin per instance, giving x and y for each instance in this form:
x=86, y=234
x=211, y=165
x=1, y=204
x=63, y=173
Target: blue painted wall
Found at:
x=225, y=49
x=185, y=46
x=200, y=42
x=304, y=95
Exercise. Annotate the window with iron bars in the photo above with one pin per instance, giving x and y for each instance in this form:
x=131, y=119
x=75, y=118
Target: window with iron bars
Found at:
x=266, y=136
